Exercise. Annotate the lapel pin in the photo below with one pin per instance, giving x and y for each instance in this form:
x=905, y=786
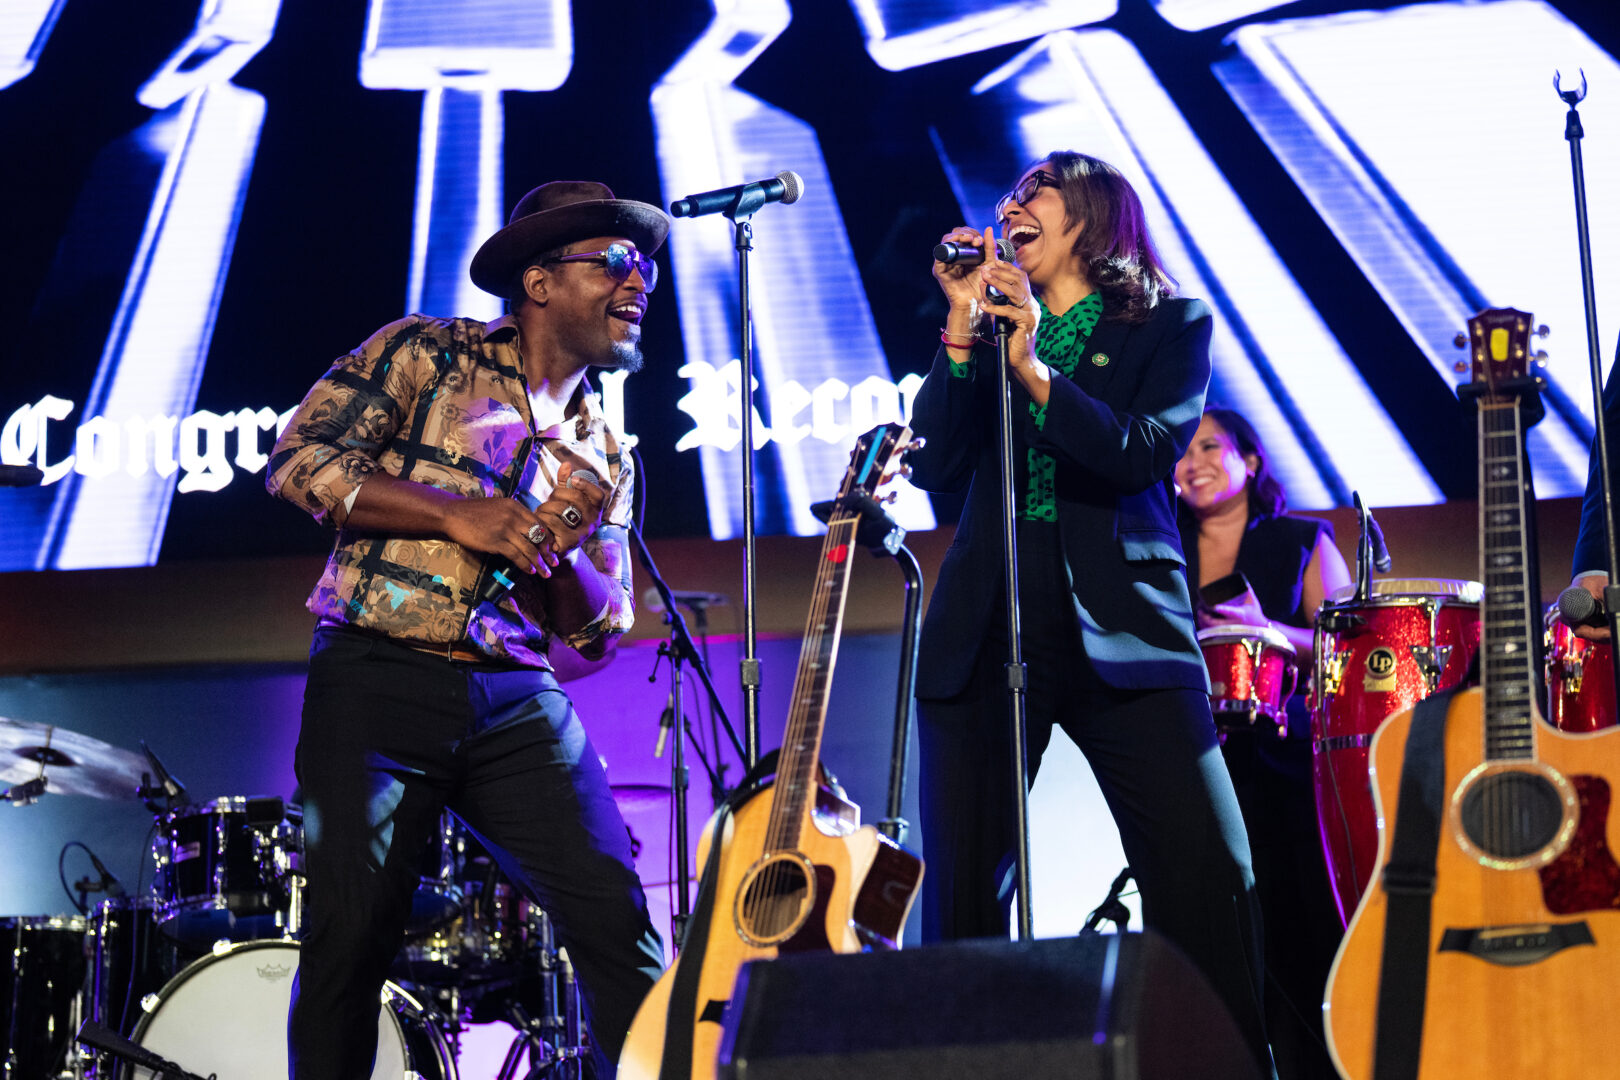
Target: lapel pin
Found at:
x=1100, y=359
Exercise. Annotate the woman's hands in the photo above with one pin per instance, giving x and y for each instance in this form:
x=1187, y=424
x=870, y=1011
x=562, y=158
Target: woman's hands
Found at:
x=1242, y=610
x=967, y=290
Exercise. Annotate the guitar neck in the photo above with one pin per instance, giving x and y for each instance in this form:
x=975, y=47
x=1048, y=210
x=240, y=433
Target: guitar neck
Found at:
x=796, y=780
x=1508, y=671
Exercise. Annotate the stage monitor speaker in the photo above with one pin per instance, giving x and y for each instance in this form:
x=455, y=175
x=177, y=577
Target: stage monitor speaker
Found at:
x=1095, y=1007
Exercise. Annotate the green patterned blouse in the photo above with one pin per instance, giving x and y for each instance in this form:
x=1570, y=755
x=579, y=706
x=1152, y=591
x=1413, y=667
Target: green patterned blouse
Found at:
x=1060, y=343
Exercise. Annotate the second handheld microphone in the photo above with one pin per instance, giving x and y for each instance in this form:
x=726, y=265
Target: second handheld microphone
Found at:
x=953, y=254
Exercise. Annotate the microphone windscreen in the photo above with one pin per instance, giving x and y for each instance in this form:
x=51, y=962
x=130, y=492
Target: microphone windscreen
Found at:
x=1577, y=607
x=792, y=185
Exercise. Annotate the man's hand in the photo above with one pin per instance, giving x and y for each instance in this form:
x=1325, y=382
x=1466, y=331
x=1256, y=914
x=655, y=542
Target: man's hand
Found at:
x=500, y=527
x=581, y=491
x=1594, y=584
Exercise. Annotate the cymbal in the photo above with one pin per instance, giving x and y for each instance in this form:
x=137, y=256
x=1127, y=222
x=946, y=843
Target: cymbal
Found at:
x=74, y=764
x=635, y=797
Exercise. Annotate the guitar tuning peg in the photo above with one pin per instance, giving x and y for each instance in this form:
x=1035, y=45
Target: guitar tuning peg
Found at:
x=1542, y=331
x=915, y=444
x=1461, y=340
x=890, y=499
x=1460, y=367
x=1540, y=357
x=905, y=470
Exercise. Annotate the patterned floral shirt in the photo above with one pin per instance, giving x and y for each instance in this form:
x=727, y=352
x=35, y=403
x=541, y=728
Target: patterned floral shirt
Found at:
x=1060, y=341
x=444, y=402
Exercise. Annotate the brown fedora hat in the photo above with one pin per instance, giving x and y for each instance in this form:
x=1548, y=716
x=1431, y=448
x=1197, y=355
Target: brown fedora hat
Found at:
x=559, y=213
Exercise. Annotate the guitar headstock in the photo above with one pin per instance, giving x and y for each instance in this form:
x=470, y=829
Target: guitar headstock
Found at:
x=876, y=460
x=1498, y=342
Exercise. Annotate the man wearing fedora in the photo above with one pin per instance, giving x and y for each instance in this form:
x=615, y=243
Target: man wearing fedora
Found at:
x=481, y=504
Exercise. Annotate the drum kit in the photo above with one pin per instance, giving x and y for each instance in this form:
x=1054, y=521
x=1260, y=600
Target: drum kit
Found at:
x=1378, y=651
x=199, y=971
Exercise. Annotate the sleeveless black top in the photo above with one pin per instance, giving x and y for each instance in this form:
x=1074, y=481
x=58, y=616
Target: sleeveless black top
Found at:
x=1273, y=555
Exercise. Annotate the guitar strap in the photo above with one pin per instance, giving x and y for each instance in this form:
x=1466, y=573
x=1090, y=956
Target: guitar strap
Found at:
x=681, y=1019
x=1408, y=882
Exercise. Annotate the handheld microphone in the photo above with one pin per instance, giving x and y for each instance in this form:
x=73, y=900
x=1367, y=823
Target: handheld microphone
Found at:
x=502, y=574
x=1577, y=607
x=785, y=187
x=954, y=254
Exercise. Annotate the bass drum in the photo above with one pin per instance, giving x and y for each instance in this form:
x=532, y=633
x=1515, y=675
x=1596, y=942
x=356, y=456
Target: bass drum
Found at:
x=226, y=1015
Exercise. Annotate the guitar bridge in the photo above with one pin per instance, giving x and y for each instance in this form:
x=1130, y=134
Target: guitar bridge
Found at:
x=1516, y=946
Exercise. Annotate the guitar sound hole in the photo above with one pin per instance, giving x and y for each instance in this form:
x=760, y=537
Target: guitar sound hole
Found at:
x=1510, y=815
x=774, y=900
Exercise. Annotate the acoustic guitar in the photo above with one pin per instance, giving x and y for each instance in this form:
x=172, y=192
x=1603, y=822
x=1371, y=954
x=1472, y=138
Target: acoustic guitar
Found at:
x=792, y=872
x=1524, y=932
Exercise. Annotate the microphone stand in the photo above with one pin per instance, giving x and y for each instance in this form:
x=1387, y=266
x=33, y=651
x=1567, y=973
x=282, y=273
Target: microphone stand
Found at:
x=679, y=649
x=1017, y=674
x=1573, y=132
x=751, y=198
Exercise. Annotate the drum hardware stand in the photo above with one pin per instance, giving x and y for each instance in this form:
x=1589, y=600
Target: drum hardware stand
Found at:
x=879, y=534
x=1574, y=133
x=28, y=792
x=559, y=1057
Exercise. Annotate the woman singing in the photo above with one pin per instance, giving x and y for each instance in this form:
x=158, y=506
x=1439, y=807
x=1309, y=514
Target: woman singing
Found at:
x=1232, y=520
x=1109, y=373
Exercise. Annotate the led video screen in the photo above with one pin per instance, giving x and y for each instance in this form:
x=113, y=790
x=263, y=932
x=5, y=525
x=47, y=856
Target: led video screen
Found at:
x=208, y=206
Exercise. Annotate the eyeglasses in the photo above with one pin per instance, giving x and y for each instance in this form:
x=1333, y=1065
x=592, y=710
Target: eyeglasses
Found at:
x=618, y=260
x=1025, y=192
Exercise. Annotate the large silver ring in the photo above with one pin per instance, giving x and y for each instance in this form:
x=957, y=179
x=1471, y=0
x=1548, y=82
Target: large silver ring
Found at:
x=572, y=517
x=537, y=533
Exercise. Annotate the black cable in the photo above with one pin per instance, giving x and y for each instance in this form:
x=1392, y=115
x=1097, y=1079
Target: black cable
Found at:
x=137, y=950
x=61, y=858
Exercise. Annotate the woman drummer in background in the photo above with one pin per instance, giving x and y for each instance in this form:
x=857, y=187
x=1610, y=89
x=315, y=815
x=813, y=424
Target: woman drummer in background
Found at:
x=1232, y=520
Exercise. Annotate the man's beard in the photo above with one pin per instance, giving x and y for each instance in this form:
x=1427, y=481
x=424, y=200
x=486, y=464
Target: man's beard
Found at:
x=623, y=356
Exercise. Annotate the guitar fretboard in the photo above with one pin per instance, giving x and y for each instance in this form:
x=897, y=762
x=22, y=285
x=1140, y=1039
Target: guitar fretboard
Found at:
x=1508, y=673
x=796, y=779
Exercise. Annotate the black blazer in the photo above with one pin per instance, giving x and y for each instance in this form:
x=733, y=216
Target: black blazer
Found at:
x=1116, y=431
x=1591, y=546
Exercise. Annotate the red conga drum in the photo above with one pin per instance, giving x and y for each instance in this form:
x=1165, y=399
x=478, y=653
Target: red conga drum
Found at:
x=1251, y=676
x=1580, y=679
x=1374, y=658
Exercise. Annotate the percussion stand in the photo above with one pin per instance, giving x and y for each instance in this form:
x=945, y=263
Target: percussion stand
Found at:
x=1573, y=133
x=1017, y=673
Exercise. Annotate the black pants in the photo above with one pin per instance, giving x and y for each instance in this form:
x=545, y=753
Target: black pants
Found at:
x=391, y=736
x=1158, y=766
x=1273, y=781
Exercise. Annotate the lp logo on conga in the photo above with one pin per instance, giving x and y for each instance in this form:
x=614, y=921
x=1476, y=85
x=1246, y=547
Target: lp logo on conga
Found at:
x=1380, y=677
